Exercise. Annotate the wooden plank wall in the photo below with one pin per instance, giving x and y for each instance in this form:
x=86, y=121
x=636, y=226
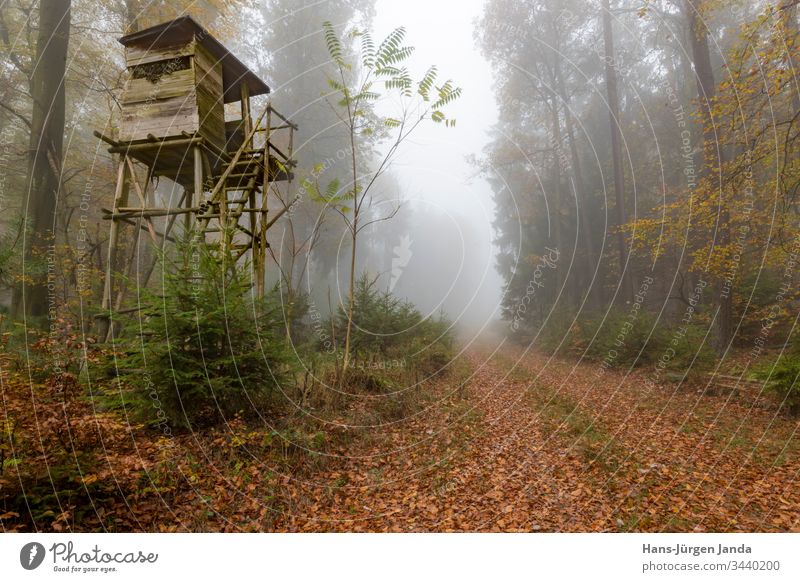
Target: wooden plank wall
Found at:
x=142, y=56
x=211, y=110
x=166, y=108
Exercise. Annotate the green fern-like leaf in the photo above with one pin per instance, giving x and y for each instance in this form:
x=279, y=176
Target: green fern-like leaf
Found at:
x=401, y=82
x=332, y=189
x=426, y=84
x=447, y=94
x=367, y=96
x=367, y=50
x=389, y=47
x=333, y=44
x=397, y=55
x=388, y=72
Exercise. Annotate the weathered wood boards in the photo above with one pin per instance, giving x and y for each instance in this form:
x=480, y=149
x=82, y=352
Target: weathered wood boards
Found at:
x=175, y=92
x=180, y=77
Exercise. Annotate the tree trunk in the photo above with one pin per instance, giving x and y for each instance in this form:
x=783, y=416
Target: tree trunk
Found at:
x=706, y=91
x=555, y=203
x=350, y=300
x=582, y=193
x=353, y=252
x=44, y=153
x=616, y=148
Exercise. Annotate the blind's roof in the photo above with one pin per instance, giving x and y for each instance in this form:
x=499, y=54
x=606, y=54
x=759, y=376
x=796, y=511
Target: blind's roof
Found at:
x=183, y=30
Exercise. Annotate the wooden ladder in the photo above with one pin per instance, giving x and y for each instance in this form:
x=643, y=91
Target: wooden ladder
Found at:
x=241, y=191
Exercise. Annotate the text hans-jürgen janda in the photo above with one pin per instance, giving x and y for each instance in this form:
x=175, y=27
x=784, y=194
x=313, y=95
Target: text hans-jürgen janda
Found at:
x=685, y=549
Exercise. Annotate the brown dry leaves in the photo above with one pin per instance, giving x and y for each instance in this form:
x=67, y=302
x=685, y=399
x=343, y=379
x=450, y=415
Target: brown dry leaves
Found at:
x=530, y=445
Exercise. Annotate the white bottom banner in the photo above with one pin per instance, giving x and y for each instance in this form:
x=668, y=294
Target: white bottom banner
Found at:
x=355, y=557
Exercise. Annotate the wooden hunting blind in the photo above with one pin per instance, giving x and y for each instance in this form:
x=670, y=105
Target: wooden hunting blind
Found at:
x=173, y=123
x=180, y=78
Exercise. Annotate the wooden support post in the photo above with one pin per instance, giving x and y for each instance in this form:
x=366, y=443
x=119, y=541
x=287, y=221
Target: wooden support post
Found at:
x=198, y=187
x=129, y=268
x=254, y=256
x=120, y=199
x=223, y=225
x=247, y=120
x=142, y=195
x=208, y=172
x=247, y=128
x=262, y=234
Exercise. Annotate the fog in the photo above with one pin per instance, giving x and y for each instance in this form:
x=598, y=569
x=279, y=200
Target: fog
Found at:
x=448, y=204
x=437, y=251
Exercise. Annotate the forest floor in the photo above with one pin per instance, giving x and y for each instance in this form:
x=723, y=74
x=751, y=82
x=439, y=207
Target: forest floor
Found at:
x=510, y=441
x=541, y=444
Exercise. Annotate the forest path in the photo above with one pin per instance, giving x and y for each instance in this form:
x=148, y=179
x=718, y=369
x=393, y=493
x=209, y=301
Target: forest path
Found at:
x=483, y=461
x=538, y=444
x=677, y=458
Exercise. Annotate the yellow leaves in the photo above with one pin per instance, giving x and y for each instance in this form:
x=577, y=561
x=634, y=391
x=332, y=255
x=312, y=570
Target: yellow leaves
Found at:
x=89, y=479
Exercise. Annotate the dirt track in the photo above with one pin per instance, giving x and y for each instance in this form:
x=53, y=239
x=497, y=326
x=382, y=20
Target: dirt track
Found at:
x=545, y=445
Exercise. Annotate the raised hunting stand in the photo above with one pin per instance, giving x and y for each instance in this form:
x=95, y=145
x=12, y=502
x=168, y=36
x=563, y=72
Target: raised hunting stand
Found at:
x=174, y=123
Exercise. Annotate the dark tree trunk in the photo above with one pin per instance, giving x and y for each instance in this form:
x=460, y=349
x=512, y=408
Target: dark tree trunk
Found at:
x=555, y=203
x=616, y=148
x=45, y=152
x=706, y=91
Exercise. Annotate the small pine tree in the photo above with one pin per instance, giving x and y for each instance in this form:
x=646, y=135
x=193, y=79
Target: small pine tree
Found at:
x=206, y=351
x=385, y=326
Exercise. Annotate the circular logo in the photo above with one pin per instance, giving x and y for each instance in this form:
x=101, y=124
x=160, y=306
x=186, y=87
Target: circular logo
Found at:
x=31, y=555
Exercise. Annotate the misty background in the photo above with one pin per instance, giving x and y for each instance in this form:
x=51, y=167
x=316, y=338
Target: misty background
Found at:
x=438, y=250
